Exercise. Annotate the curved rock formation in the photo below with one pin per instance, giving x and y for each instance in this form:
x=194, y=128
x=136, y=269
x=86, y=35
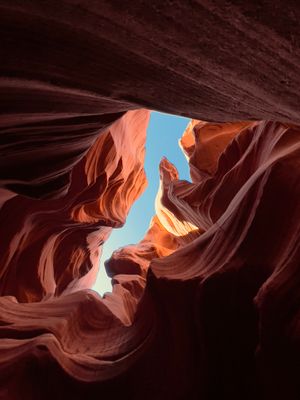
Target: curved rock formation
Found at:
x=51, y=247
x=206, y=305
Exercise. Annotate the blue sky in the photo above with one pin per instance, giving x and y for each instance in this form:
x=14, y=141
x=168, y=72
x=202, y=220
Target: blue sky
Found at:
x=163, y=133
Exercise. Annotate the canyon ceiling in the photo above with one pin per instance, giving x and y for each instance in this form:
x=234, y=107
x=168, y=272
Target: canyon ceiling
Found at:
x=207, y=304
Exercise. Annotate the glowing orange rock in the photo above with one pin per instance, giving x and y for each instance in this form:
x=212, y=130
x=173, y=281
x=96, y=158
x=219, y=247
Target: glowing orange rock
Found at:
x=180, y=303
x=207, y=304
x=53, y=246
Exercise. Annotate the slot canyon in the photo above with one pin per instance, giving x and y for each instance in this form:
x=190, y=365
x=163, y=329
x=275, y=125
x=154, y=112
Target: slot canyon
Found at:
x=207, y=304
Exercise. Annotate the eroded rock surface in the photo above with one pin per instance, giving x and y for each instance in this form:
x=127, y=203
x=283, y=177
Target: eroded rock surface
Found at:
x=197, y=299
x=52, y=247
x=206, y=305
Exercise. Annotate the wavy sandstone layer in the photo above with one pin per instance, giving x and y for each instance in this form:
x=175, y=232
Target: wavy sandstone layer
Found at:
x=70, y=68
x=225, y=250
x=52, y=247
x=207, y=304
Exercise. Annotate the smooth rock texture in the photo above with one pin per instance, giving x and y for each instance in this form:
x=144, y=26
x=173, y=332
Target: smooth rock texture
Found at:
x=196, y=299
x=206, y=305
x=52, y=247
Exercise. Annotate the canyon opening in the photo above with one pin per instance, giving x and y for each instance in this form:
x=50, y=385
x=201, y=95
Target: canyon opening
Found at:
x=194, y=207
x=162, y=140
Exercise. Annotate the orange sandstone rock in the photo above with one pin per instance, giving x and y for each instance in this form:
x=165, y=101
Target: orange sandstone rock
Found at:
x=183, y=300
x=207, y=304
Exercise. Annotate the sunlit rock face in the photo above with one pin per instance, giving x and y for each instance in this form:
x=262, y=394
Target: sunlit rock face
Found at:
x=52, y=247
x=201, y=292
x=206, y=305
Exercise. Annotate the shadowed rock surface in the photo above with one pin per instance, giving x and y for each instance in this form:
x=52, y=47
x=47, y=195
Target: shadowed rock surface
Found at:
x=206, y=305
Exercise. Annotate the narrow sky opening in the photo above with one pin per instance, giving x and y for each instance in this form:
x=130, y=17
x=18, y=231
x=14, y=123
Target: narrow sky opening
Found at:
x=163, y=133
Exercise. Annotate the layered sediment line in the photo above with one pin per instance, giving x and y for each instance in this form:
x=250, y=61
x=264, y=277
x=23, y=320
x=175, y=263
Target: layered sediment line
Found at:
x=52, y=247
x=206, y=305
x=216, y=266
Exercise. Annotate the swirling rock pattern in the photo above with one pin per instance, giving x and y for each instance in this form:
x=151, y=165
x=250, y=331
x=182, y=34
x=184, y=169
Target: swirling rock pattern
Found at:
x=52, y=246
x=201, y=301
x=207, y=304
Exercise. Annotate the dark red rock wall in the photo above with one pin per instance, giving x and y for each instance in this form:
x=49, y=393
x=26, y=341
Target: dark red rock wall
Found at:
x=72, y=67
x=207, y=304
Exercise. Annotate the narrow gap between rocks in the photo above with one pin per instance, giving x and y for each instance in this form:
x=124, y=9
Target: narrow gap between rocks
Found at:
x=163, y=133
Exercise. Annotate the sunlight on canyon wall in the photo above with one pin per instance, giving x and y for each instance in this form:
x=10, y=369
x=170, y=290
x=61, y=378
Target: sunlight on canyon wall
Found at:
x=206, y=305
